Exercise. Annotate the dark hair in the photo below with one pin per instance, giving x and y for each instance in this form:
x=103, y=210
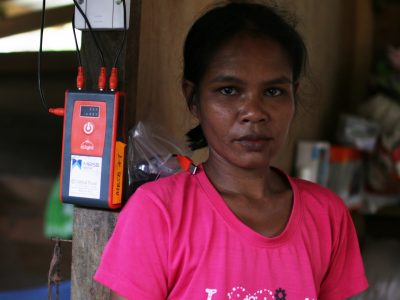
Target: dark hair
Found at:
x=221, y=24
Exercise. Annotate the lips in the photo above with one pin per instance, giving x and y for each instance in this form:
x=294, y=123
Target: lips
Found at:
x=253, y=142
x=254, y=137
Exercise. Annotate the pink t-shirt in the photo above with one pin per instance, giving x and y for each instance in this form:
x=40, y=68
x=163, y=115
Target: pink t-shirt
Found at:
x=177, y=239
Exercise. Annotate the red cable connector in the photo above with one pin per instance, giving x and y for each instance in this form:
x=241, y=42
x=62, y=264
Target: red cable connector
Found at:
x=102, y=79
x=80, y=78
x=59, y=111
x=113, y=79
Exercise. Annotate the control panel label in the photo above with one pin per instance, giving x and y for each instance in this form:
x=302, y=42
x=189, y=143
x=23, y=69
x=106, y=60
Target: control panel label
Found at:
x=85, y=176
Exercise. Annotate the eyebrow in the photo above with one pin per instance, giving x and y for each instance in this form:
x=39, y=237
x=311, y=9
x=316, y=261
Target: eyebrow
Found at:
x=229, y=78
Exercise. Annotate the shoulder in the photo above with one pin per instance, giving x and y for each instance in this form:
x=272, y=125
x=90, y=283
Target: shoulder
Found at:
x=318, y=198
x=311, y=190
x=164, y=194
x=173, y=184
x=328, y=219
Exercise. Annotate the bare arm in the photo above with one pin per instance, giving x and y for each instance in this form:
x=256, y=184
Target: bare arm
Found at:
x=115, y=296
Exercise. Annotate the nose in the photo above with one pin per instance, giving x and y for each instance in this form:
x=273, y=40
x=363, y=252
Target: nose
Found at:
x=253, y=110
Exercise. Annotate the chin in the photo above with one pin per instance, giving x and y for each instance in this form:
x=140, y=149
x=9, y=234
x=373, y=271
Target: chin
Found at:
x=253, y=163
x=243, y=159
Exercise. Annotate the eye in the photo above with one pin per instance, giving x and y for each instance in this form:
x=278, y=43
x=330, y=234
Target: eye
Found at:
x=228, y=91
x=273, y=92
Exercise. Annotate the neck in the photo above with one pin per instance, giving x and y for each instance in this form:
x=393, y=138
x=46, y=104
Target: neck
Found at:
x=230, y=179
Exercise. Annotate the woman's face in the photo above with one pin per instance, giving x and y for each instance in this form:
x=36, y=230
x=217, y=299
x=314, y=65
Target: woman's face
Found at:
x=245, y=101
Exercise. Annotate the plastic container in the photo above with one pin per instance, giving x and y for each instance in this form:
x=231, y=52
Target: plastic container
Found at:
x=312, y=161
x=346, y=175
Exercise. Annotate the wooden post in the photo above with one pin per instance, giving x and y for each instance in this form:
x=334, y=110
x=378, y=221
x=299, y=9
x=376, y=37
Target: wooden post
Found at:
x=93, y=227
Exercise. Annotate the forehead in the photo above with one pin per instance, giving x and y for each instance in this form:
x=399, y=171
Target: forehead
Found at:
x=246, y=53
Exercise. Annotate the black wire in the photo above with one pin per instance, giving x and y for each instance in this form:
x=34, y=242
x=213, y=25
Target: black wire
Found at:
x=91, y=32
x=39, y=61
x=123, y=38
x=78, y=53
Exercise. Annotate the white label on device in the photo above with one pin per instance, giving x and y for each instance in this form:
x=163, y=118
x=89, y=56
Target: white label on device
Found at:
x=85, y=176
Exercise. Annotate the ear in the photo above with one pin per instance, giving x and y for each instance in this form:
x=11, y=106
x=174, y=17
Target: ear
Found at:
x=189, y=91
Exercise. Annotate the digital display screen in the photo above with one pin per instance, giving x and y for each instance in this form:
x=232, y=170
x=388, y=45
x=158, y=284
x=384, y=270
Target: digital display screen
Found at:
x=90, y=111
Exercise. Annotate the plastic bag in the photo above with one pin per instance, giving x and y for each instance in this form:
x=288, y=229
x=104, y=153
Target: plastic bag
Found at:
x=357, y=132
x=151, y=155
x=384, y=165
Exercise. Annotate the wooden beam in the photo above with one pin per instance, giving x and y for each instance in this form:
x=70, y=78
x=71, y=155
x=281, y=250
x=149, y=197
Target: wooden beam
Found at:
x=31, y=21
x=93, y=227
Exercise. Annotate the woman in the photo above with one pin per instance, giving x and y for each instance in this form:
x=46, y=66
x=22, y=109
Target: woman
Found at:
x=237, y=228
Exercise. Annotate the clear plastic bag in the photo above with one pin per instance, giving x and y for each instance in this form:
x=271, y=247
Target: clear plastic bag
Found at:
x=151, y=155
x=357, y=132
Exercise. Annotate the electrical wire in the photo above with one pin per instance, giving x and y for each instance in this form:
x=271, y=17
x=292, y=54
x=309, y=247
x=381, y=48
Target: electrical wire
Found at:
x=80, y=78
x=123, y=38
x=76, y=44
x=91, y=32
x=39, y=61
x=78, y=52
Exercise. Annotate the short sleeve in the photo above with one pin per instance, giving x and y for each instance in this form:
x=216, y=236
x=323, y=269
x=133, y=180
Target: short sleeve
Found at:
x=134, y=261
x=345, y=276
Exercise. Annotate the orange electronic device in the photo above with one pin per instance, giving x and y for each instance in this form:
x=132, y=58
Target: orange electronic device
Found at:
x=93, y=155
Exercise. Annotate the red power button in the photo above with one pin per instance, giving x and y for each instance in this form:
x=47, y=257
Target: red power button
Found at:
x=88, y=128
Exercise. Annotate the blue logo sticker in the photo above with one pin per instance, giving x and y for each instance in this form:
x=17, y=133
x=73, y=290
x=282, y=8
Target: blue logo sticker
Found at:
x=77, y=163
